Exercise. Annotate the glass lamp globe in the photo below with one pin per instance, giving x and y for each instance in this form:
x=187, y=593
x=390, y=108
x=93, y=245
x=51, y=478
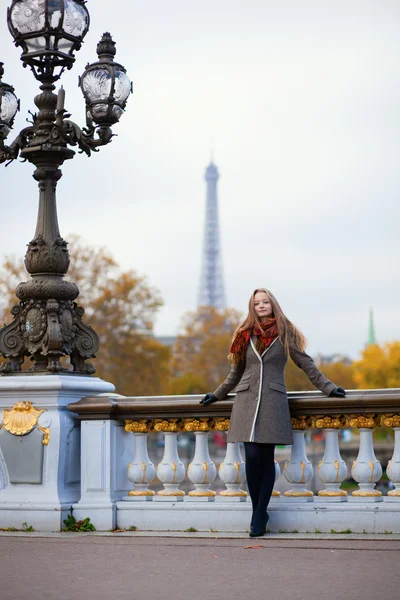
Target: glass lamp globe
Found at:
x=9, y=105
x=105, y=85
x=49, y=32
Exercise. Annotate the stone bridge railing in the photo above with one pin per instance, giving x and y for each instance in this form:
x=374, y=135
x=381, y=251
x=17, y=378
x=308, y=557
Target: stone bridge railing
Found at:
x=117, y=474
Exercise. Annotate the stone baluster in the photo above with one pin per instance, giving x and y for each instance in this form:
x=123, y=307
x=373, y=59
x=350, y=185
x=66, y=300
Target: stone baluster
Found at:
x=141, y=470
x=298, y=470
x=275, y=493
x=3, y=476
x=332, y=469
x=201, y=471
x=170, y=471
x=232, y=469
x=233, y=473
x=393, y=468
x=366, y=469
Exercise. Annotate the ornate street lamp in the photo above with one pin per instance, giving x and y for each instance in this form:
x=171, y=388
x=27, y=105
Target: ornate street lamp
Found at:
x=9, y=105
x=105, y=86
x=47, y=322
x=49, y=32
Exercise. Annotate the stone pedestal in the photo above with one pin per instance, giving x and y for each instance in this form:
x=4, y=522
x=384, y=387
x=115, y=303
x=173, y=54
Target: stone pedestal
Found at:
x=106, y=449
x=286, y=515
x=40, y=447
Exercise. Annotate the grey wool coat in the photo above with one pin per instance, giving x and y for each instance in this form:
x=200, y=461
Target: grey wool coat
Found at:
x=260, y=411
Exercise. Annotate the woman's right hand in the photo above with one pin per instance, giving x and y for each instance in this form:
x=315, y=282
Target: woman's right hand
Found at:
x=208, y=399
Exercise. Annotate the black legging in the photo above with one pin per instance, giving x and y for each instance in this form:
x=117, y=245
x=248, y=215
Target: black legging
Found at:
x=260, y=473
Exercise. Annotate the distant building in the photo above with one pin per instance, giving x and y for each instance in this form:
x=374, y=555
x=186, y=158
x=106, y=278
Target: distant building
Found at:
x=371, y=330
x=332, y=358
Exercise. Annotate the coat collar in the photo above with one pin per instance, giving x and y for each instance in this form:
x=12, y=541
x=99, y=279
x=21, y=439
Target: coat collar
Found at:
x=265, y=351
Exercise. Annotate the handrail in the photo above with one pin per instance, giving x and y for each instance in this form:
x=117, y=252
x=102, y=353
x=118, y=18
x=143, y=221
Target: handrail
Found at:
x=310, y=403
x=116, y=432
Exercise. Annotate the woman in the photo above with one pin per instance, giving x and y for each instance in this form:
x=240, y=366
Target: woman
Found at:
x=260, y=415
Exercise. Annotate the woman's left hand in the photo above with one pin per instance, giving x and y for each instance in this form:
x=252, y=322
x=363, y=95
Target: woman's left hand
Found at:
x=337, y=392
x=208, y=399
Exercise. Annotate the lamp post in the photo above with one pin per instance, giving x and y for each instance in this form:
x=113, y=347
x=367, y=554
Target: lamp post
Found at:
x=47, y=321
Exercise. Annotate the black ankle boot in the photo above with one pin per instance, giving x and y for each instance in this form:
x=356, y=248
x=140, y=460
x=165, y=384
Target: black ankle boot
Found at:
x=253, y=516
x=258, y=526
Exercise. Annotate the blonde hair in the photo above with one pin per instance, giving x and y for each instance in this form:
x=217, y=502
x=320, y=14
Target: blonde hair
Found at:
x=288, y=333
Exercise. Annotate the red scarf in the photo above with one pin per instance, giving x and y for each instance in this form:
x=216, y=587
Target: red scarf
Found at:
x=265, y=336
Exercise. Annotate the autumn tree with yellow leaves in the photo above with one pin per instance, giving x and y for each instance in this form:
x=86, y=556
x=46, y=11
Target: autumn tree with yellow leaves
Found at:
x=200, y=353
x=339, y=372
x=120, y=306
x=379, y=367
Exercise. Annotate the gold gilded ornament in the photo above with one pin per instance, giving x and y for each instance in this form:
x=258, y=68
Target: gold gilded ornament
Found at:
x=303, y=468
x=168, y=425
x=173, y=493
x=363, y=494
x=203, y=424
x=302, y=422
x=391, y=420
x=332, y=493
x=46, y=432
x=22, y=418
x=292, y=494
x=141, y=426
x=365, y=421
x=237, y=469
x=221, y=424
x=394, y=493
x=331, y=422
x=205, y=469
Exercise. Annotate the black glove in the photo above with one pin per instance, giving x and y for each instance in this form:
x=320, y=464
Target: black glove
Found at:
x=208, y=399
x=337, y=392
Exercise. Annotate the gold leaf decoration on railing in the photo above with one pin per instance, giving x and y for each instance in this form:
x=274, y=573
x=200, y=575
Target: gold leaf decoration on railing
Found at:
x=141, y=426
x=302, y=422
x=365, y=421
x=331, y=422
x=46, y=435
x=167, y=425
x=391, y=420
x=203, y=424
x=221, y=424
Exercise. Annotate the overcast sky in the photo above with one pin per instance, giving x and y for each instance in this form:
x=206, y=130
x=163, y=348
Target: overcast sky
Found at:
x=301, y=99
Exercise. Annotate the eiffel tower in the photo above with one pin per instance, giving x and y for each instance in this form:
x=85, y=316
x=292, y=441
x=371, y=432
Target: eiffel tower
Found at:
x=212, y=291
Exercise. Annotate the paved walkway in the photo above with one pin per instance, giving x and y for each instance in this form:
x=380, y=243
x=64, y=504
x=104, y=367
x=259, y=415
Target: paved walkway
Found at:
x=214, y=566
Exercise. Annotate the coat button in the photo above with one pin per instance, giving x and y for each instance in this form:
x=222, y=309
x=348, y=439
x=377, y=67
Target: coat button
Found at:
x=258, y=381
